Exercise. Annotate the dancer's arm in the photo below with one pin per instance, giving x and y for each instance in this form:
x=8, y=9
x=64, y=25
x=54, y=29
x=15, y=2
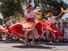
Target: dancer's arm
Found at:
x=60, y=15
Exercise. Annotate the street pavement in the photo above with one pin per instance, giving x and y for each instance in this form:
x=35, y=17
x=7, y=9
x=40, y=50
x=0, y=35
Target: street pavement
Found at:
x=38, y=47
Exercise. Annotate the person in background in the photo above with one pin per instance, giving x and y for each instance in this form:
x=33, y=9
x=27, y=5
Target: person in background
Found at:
x=8, y=22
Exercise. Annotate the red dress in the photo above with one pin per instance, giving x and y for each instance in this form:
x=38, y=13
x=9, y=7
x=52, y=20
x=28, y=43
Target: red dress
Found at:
x=39, y=28
x=52, y=28
x=28, y=24
x=17, y=29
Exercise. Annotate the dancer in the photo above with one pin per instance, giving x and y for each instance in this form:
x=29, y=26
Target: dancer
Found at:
x=25, y=28
x=51, y=26
x=54, y=30
x=8, y=22
x=30, y=23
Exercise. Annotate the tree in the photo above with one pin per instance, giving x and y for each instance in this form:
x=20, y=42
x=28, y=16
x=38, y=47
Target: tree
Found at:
x=10, y=7
x=52, y=5
x=56, y=5
x=13, y=7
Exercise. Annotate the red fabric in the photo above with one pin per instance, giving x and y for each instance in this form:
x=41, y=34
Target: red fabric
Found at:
x=30, y=20
x=53, y=28
x=39, y=29
x=58, y=33
x=17, y=29
x=30, y=24
x=49, y=26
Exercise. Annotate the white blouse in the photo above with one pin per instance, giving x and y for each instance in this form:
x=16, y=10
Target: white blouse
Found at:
x=30, y=14
x=52, y=19
x=8, y=23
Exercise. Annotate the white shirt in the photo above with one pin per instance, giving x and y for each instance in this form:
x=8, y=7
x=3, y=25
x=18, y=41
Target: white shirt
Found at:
x=8, y=23
x=52, y=19
x=30, y=14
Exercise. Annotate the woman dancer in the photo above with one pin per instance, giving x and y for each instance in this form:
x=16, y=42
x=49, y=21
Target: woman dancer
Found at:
x=27, y=25
x=30, y=23
x=53, y=29
x=50, y=25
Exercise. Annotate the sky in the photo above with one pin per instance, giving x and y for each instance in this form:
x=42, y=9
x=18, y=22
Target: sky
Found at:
x=66, y=1
x=1, y=16
x=64, y=16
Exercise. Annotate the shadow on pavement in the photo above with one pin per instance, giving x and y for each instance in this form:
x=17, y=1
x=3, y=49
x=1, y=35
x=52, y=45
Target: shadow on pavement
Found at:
x=57, y=44
x=39, y=47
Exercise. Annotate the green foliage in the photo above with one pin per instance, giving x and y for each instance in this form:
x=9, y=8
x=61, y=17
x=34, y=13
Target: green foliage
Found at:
x=55, y=6
x=13, y=7
x=9, y=7
x=52, y=5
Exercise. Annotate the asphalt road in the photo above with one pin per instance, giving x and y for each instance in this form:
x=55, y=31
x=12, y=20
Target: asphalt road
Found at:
x=39, y=47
